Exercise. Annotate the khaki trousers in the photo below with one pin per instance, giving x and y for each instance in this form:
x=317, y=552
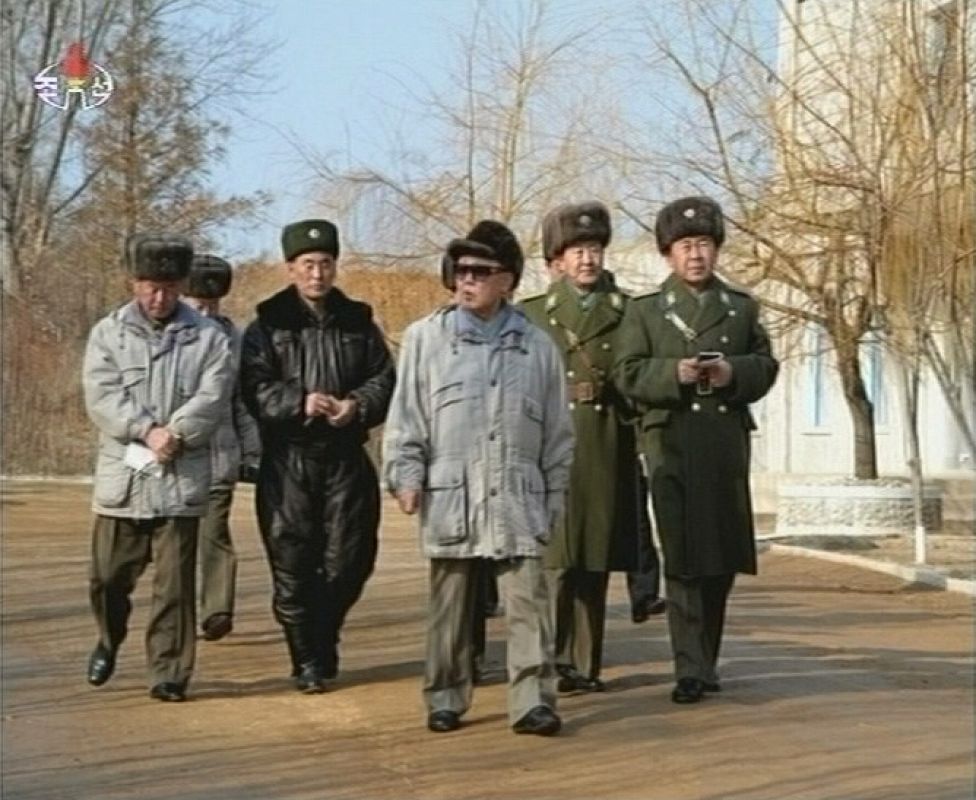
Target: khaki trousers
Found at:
x=579, y=603
x=696, y=618
x=448, y=684
x=121, y=550
x=216, y=556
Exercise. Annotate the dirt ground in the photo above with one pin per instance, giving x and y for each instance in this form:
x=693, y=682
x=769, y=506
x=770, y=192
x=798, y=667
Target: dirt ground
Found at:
x=839, y=684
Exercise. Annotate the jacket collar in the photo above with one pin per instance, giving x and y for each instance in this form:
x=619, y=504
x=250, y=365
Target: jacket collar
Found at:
x=699, y=316
x=183, y=317
x=562, y=305
x=286, y=310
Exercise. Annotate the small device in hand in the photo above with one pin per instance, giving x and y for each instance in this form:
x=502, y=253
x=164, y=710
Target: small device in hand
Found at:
x=706, y=358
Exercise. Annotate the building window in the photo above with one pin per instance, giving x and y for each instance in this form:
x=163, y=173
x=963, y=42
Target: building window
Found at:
x=872, y=373
x=816, y=378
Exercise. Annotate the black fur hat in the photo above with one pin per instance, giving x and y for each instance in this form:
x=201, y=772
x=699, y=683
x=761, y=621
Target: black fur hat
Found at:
x=488, y=239
x=572, y=223
x=210, y=277
x=158, y=256
x=689, y=216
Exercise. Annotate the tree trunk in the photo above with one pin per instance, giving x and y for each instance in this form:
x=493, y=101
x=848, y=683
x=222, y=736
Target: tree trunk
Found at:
x=910, y=369
x=861, y=409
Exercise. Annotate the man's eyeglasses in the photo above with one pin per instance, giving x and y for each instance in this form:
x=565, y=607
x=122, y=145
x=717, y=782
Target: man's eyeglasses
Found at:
x=479, y=272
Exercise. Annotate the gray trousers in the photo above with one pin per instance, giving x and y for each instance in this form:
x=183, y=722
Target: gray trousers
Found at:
x=216, y=556
x=696, y=618
x=448, y=684
x=121, y=550
x=579, y=603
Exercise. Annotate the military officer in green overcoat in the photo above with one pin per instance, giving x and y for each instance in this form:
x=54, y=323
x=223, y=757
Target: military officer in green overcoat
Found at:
x=692, y=356
x=582, y=311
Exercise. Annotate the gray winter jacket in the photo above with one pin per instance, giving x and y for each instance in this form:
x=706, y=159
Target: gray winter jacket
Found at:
x=482, y=426
x=236, y=439
x=137, y=375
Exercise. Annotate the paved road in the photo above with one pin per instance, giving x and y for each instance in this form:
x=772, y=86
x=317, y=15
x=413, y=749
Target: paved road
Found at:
x=840, y=684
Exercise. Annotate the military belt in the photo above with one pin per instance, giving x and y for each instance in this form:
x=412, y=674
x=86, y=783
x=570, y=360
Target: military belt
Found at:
x=585, y=392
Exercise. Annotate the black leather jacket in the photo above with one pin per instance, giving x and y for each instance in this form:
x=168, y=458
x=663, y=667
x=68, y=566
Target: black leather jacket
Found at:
x=288, y=352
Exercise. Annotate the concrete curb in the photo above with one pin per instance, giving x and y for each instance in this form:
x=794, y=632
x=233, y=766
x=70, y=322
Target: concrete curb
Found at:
x=927, y=576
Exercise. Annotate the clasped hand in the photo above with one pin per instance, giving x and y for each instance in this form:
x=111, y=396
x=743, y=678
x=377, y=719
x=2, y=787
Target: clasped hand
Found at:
x=338, y=413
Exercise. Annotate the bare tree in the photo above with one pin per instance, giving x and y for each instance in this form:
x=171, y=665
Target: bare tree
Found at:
x=807, y=155
x=76, y=181
x=512, y=136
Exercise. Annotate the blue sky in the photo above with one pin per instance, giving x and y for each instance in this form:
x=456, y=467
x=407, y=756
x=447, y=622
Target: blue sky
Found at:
x=337, y=80
x=344, y=75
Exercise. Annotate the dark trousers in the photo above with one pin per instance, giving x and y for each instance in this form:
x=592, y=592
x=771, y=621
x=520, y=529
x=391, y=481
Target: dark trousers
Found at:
x=121, y=550
x=579, y=602
x=318, y=516
x=644, y=584
x=696, y=619
x=216, y=556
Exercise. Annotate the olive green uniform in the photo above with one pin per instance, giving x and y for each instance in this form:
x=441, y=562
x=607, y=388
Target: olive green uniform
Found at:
x=599, y=531
x=696, y=448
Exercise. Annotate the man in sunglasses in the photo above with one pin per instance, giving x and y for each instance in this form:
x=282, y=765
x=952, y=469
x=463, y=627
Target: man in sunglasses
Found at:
x=479, y=442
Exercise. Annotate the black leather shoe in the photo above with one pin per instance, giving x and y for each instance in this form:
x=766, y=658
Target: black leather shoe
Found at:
x=101, y=665
x=572, y=681
x=217, y=626
x=443, y=721
x=688, y=690
x=310, y=679
x=168, y=692
x=541, y=721
x=642, y=611
x=712, y=686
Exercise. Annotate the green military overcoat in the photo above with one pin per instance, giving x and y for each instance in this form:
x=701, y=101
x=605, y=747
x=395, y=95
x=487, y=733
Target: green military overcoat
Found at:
x=697, y=445
x=600, y=528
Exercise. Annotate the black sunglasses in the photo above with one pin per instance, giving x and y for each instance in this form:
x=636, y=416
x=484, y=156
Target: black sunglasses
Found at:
x=479, y=272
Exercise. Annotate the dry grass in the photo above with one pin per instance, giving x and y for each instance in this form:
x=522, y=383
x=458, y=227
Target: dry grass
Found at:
x=45, y=430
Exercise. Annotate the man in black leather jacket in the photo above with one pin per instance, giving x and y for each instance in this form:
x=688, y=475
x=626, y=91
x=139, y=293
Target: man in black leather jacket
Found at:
x=317, y=375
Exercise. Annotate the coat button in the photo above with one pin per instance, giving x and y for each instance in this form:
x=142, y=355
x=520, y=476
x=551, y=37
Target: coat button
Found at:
x=723, y=409
x=696, y=406
x=724, y=339
x=572, y=406
x=570, y=374
x=493, y=383
x=493, y=492
x=491, y=436
x=552, y=321
x=605, y=345
x=597, y=407
x=731, y=312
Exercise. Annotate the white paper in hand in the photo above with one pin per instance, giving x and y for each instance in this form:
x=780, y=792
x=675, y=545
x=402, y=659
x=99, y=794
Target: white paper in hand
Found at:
x=142, y=460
